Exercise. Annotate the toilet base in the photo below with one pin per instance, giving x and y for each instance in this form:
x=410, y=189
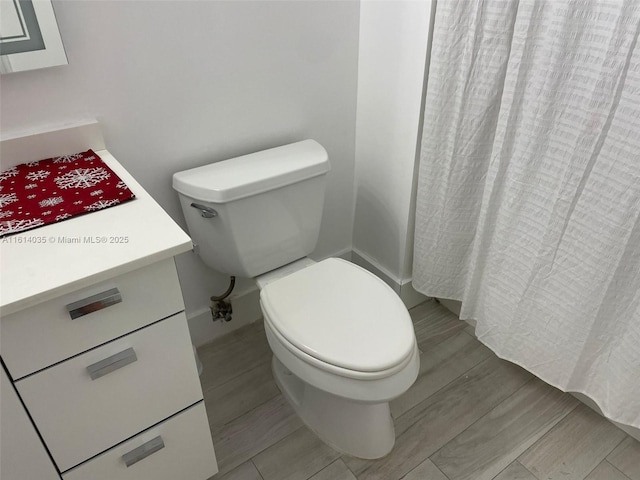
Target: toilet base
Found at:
x=358, y=429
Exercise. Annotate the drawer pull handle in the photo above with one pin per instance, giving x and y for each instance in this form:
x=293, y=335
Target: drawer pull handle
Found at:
x=143, y=451
x=94, y=303
x=112, y=363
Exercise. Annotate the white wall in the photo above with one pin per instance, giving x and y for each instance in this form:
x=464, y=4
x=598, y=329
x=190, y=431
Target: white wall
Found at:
x=391, y=65
x=178, y=84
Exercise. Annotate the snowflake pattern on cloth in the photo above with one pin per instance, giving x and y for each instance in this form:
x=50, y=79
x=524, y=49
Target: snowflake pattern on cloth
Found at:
x=7, y=199
x=55, y=189
x=15, y=226
x=10, y=173
x=68, y=158
x=51, y=201
x=82, y=178
x=38, y=175
x=100, y=204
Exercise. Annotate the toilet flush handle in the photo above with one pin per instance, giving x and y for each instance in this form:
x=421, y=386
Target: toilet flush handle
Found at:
x=206, y=212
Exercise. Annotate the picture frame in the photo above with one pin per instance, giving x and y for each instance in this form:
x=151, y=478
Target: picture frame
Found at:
x=29, y=36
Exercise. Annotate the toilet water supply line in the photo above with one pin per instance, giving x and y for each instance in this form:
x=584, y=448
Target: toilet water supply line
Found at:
x=221, y=309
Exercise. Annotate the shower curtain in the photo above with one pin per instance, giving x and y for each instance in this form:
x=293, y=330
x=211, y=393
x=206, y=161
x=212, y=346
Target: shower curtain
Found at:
x=528, y=203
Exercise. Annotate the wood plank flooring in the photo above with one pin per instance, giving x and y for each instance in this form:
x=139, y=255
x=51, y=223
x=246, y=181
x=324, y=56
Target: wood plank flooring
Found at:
x=469, y=416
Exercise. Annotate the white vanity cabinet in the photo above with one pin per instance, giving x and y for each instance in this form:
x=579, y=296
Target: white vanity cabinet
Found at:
x=95, y=341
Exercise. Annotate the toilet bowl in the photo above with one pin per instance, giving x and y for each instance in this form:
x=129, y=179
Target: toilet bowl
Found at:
x=343, y=346
x=342, y=340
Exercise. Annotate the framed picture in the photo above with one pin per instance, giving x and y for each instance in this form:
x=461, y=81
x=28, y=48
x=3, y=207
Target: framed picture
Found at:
x=29, y=36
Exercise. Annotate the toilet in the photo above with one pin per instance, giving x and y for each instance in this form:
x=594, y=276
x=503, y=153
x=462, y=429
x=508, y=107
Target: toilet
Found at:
x=342, y=340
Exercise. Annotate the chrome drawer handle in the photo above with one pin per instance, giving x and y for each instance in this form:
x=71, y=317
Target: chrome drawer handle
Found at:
x=94, y=303
x=112, y=363
x=143, y=451
x=206, y=212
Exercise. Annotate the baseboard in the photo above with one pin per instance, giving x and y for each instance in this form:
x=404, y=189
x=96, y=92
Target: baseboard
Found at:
x=453, y=306
x=345, y=254
x=365, y=261
x=403, y=288
x=410, y=296
x=246, y=304
x=246, y=310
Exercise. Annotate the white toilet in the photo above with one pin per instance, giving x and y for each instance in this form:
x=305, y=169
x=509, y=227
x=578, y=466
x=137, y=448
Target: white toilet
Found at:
x=342, y=340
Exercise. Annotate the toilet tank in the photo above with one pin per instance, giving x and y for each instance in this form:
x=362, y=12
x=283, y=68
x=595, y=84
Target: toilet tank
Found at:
x=268, y=207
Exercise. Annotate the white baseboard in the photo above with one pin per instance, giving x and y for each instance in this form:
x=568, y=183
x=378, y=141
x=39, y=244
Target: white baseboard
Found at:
x=453, y=306
x=403, y=288
x=365, y=261
x=246, y=304
x=344, y=254
x=246, y=310
x=410, y=296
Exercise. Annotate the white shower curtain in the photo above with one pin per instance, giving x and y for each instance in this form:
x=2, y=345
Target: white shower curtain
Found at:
x=528, y=206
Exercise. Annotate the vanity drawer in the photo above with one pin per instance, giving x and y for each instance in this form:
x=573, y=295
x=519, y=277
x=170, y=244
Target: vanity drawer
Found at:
x=187, y=453
x=91, y=402
x=21, y=450
x=39, y=336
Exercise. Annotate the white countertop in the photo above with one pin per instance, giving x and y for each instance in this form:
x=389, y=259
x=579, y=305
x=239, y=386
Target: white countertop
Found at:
x=32, y=272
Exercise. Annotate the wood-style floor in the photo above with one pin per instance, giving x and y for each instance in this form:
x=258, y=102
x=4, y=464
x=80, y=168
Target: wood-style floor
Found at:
x=469, y=416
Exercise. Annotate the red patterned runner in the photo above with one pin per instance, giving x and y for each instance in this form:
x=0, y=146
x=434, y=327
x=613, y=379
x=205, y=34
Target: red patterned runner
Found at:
x=48, y=191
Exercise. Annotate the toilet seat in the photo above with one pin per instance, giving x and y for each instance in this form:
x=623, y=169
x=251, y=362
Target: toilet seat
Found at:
x=340, y=318
x=330, y=368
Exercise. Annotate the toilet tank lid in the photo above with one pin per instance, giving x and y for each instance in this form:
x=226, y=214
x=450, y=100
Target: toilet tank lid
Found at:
x=252, y=174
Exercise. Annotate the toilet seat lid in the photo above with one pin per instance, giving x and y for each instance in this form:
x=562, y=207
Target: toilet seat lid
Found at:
x=341, y=314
